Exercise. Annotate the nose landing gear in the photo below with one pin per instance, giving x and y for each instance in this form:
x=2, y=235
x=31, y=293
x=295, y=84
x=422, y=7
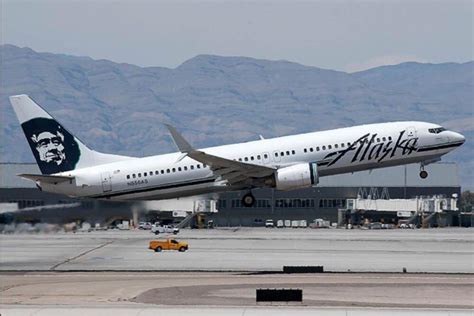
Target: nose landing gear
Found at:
x=423, y=173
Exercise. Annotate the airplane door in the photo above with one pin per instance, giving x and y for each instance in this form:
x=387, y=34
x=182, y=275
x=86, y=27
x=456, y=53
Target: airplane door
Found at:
x=411, y=132
x=106, y=181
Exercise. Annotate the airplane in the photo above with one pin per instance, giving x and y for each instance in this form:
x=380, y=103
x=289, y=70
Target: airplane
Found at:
x=71, y=168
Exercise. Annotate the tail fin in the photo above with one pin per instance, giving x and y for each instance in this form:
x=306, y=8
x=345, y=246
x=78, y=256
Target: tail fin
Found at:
x=54, y=147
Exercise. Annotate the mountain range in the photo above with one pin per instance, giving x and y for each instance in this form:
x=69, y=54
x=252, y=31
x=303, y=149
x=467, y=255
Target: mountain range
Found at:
x=119, y=108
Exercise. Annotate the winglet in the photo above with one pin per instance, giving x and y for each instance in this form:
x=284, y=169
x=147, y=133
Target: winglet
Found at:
x=179, y=141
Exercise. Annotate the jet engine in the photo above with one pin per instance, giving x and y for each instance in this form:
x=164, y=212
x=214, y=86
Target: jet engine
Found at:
x=298, y=176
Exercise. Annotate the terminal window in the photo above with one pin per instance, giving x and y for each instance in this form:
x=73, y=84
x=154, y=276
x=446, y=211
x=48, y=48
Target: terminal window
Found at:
x=294, y=203
x=332, y=203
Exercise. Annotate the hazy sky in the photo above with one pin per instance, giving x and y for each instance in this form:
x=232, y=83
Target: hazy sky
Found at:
x=342, y=35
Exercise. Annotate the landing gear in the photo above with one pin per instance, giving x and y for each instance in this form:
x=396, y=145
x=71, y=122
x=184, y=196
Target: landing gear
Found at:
x=423, y=173
x=248, y=200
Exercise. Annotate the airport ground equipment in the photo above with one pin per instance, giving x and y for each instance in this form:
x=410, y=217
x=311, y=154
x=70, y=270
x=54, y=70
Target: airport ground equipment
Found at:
x=168, y=244
x=269, y=223
x=164, y=229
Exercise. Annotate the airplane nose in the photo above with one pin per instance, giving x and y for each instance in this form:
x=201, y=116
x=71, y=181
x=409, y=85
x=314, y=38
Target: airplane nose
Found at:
x=458, y=137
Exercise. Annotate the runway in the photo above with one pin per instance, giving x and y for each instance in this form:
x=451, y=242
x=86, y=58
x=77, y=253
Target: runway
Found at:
x=48, y=274
x=246, y=249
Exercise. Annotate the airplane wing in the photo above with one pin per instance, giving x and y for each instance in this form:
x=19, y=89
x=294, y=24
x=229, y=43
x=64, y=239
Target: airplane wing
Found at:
x=46, y=178
x=234, y=172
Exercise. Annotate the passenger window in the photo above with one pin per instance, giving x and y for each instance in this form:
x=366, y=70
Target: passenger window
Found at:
x=144, y=174
x=246, y=159
x=317, y=148
x=162, y=171
x=128, y=176
x=342, y=145
x=198, y=166
x=324, y=147
x=282, y=153
x=192, y=167
x=311, y=149
x=265, y=156
x=251, y=157
x=139, y=175
x=293, y=152
x=259, y=157
x=276, y=154
x=287, y=153
x=174, y=169
x=305, y=150
x=378, y=140
x=240, y=159
x=336, y=146
x=384, y=139
x=348, y=144
x=185, y=168
x=133, y=176
x=329, y=147
x=390, y=138
x=168, y=170
x=156, y=173
x=179, y=168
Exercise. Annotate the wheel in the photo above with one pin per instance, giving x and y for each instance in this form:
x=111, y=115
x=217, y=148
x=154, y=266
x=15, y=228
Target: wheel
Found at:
x=248, y=200
x=158, y=249
x=423, y=174
x=182, y=249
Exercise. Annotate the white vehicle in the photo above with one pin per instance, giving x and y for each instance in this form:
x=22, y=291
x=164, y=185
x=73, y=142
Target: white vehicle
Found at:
x=269, y=223
x=320, y=223
x=295, y=224
x=280, y=224
x=144, y=225
x=303, y=223
x=164, y=229
x=124, y=225
x=287, y=223
x=285, y=163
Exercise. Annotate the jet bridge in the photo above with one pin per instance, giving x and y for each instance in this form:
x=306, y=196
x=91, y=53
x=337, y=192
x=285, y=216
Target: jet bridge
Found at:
x=423, y=210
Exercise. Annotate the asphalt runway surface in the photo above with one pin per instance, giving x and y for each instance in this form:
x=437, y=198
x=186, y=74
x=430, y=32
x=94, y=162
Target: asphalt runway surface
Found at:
x=113, y=270
x=246, y=249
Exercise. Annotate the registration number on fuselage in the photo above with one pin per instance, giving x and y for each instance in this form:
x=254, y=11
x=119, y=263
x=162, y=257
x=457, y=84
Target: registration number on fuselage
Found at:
x=137, y=182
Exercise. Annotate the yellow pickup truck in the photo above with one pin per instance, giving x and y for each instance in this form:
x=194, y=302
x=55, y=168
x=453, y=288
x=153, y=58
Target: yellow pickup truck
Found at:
x=168, y=244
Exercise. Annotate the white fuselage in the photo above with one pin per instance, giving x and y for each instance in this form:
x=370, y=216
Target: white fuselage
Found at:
x=336, y=151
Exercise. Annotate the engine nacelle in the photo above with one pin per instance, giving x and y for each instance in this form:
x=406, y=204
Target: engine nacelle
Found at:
x=299, y=176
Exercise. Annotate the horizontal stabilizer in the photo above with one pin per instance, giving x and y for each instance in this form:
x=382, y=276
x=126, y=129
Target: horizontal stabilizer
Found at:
x=46, y=178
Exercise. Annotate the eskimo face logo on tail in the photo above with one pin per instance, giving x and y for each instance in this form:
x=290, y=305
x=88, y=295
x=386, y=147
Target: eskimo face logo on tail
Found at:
x=54, y=148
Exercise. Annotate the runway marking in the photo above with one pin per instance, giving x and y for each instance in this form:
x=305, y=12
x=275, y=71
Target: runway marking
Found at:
x=80, y=255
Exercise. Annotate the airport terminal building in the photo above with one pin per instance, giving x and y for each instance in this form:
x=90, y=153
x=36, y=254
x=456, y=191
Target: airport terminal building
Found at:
x=322, y=201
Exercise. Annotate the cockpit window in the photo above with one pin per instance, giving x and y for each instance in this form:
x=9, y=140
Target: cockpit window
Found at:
x=436, y=130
